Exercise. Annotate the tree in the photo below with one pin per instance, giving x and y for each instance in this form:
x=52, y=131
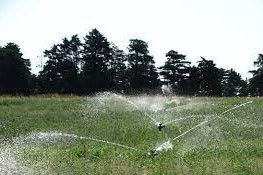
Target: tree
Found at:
x=210, y=78
x=256, y=82
x=141, y=66
x=14, y=70
x=72, y=50
x=70, y=65
x=50, y=76
x=194, y=81
x=176, y=71
x=96, y=62
x=60, y=73
x=232, y=84
x=118, y=69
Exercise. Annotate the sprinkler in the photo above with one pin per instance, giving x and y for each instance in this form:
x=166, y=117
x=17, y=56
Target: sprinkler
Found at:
x=160, y=126
x=152, y=152
x=160, y=148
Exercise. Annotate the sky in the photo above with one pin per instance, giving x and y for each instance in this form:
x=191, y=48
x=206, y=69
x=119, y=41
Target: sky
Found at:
x=230, y=32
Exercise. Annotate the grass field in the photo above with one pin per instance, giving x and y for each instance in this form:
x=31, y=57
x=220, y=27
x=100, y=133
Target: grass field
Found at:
x=114, y=134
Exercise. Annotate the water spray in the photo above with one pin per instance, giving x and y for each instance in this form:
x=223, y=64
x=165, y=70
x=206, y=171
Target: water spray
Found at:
x=111, y=143
x=235, y=107
x=196, y=126
x=47, y=136
x=204, y=122
x=158, y=124
x=163, y=147
x=183, y=118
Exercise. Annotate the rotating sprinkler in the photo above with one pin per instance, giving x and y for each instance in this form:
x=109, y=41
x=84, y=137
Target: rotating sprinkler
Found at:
x=160, y=148
x=152, y=152
x=160, y=126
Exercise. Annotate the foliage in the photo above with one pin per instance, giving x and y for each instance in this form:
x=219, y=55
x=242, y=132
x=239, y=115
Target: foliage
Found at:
x=60, y=73
x=96, y=62
x=256, y=82
x=93, y=64
x=233, y=85
x=141, y=66
x=14, y=70
x=118, y=69
x=210, y=78
x=176, y=71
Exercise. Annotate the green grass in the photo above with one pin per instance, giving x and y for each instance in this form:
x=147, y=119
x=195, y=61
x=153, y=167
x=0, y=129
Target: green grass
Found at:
x=231, y=144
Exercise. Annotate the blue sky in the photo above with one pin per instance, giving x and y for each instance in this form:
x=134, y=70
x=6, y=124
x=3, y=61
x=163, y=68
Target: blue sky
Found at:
x=230, y=32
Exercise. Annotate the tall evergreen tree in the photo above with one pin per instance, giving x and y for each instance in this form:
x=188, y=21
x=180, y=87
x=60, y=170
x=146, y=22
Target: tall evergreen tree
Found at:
x=210, y=78
x=194, y=81
x=60, y=73
x=70, y=66
x=72, y=50
x=141, y=66
x=96, y=62
x=176, y=71
x=14, y=70
x=50, y=77
x=118, y=68
x=232, y=84
x=256, y=82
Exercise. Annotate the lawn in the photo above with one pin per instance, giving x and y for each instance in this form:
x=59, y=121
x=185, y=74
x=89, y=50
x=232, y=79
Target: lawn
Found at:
x=114, y=134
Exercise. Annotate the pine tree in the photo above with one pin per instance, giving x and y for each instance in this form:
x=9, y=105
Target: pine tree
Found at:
x=60, y=73
x=118, y=69
x=210, y=78
x=176, y=71
x=141, y=67
x=14, y=70
x=256, y=82
x=232, y=84
x=194, y=81
x=96, y=63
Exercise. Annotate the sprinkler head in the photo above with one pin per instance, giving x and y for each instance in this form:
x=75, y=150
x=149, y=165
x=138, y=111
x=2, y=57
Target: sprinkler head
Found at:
x=152, y=152
x=160, y=126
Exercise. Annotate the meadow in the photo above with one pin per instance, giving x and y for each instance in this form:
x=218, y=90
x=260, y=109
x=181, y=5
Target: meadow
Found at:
x=113, y=134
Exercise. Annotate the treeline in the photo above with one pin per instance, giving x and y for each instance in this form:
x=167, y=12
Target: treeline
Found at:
x=93, y=64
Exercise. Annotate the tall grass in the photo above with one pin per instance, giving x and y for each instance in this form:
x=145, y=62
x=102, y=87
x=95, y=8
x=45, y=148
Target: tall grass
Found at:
x=229, y=144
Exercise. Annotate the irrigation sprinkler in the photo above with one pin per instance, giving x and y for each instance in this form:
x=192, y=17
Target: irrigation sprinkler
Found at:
x=163, y=147
x=160, y=126
x=152, y=153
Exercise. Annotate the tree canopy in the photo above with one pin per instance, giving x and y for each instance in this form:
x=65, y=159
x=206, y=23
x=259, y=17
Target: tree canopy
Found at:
x=142, y=72
x=14, y=70
x=92, y=64
x=176, y=71
x=256, y=82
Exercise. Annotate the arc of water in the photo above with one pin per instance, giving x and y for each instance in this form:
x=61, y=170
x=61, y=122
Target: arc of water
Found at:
x=43, y=135
x=204, y=122
x=124, y=99
x=196, y=126
x=235, y=107
x=111, y=143
x=179, y=119
x=149, y=116
x=137, y=107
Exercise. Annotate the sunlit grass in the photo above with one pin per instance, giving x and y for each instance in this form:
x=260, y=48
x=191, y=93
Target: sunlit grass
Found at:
x=228, y=144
